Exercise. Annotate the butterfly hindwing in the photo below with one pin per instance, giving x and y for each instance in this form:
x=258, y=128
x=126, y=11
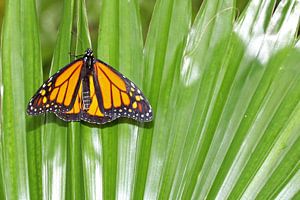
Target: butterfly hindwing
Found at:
x=92, y=115
x=58, y=92
x=74, y=113
x=95, y=112
x=118, y=96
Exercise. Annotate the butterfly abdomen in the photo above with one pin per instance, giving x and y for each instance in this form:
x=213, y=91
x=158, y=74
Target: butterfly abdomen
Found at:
x=86, y=98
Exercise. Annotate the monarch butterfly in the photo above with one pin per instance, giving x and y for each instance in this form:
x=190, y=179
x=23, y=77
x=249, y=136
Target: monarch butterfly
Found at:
x=90, y=90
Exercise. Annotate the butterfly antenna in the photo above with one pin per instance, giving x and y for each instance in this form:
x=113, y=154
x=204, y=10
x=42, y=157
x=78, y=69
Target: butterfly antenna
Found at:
x=78, y=40
x=74, y=55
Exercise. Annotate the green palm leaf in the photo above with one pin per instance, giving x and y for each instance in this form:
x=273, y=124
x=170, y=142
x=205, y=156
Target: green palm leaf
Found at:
x=225, y=94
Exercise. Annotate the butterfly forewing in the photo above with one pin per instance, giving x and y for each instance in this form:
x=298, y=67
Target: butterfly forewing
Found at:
x=58, y=92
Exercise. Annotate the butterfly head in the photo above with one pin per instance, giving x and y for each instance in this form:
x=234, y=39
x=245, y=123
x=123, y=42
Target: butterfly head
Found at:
x=89, y=52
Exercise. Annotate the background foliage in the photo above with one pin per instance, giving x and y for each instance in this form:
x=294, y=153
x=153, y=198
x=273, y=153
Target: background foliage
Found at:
x=224, y=83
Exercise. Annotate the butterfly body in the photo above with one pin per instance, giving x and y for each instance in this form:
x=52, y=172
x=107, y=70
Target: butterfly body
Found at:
x=90, y=90
x=88, y=62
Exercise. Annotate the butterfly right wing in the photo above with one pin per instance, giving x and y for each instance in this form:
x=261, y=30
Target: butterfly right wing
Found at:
x=118, y=96
x=59, y=91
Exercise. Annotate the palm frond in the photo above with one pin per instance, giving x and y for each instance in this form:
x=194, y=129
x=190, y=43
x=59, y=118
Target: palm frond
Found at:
x=225, y=92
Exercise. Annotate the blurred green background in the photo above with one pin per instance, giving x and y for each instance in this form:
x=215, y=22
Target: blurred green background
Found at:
x=49, y=14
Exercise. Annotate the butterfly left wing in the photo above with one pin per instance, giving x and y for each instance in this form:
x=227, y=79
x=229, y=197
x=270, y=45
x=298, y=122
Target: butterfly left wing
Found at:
x=58, y=92
x=118, y=96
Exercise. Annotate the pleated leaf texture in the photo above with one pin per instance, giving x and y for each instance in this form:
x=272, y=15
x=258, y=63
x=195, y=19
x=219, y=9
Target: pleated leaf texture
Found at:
x=224, y=87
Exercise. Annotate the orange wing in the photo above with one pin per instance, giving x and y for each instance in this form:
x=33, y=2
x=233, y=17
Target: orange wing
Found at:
x=58, y=92
x=118, y=96
x=92, y=115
